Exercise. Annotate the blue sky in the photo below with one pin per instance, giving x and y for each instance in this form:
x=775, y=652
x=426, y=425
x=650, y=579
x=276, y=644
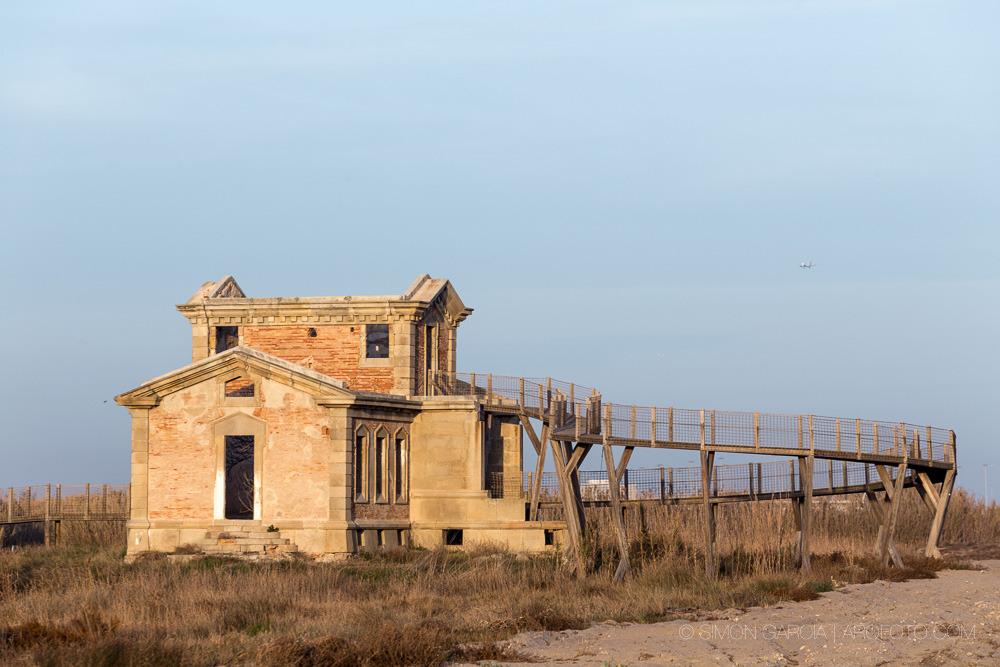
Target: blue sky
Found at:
x=622, y=190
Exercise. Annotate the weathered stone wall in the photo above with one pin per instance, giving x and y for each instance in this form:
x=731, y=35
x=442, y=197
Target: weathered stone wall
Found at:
x=183, y=453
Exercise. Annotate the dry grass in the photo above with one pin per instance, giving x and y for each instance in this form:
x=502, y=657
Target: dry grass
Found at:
x=83, y=604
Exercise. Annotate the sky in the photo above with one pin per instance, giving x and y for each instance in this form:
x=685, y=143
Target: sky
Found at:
x=622, y=190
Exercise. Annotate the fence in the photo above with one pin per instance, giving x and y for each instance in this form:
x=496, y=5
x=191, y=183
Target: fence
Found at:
x=54, y=502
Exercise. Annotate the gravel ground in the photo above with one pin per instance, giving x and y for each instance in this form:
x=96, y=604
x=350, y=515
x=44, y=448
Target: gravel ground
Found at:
x=951, y=620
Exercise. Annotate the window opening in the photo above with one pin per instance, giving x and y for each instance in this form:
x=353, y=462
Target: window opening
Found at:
x=226, y=338
x=379, y=467
x=360, y=453
x=400, y=467
x=239, y=388
x=311, y=333
x=430, y=356
x=377, y=341
x=453, y=537
x=239, y=477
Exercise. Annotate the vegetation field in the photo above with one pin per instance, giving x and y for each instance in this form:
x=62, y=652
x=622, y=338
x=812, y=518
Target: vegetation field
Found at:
x=82, y=604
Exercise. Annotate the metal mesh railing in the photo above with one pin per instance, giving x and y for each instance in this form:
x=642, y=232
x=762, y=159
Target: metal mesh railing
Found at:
x=64, y=501
x=666, y=484
x=580, y=410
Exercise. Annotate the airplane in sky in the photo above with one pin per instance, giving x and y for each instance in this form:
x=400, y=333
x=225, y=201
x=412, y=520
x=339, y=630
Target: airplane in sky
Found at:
x=803, y=265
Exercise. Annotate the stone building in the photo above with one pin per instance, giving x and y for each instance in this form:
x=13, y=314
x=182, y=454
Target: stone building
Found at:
x=312, y=416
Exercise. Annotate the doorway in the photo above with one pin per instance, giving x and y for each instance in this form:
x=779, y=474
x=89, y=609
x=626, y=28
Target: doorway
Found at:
x=239, y=474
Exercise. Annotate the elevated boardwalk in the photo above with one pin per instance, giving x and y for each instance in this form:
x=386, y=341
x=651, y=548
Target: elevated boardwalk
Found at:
x=826, y=456
x=52, y=504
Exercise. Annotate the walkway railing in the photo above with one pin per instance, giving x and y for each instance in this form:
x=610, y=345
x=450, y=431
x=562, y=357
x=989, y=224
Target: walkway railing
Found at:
x=580, y=413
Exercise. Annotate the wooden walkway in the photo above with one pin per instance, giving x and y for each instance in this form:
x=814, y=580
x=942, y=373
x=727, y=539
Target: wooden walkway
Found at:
x=51, y=504
x=826, y=456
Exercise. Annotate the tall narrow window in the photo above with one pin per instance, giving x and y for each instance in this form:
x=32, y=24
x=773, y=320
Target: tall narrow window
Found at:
x=399, y=465
x=379, y=467
x=430, y=357
x=360, y=467
x=377, y=341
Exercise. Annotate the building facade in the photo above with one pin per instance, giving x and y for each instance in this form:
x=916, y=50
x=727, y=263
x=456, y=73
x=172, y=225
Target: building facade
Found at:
x=313, y=416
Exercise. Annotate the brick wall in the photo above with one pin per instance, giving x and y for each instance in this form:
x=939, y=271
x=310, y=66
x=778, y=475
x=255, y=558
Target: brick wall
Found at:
x=183, y=457
x=334, y=351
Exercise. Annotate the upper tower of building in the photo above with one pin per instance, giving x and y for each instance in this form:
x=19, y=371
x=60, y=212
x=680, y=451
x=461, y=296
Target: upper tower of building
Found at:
x=388, y=344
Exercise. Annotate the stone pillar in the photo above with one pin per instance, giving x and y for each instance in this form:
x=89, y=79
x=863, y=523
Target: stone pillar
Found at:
x=341, y=480
x=201, y=342
x=404, y=357
x=138, y=524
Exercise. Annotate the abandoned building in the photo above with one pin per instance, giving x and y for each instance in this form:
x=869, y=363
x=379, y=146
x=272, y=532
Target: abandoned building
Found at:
x=312, y=416
x=331, y=425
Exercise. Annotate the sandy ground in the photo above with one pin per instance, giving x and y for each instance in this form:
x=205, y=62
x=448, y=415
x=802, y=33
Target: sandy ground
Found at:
x=951, y=620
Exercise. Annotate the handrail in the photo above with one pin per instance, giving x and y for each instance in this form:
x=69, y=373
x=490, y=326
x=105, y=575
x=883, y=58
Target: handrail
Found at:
x=581, y=412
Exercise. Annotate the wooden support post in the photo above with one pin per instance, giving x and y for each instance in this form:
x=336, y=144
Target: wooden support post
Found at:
x=104, y=499
x=10, y=503
x=760, y=486
x=875, y=436
x=845, y=473
x=58, y=511
x=797, y=517
x=631, y=425
x=573, y=528
x=713, y=427
x=894, y=494
x=48, y=511
x=539, y=445
x=536, y=487
x=875, y=507
x=670, y=482
x=838, y=435
x=801, y=440
x=756, y=430
x=707, y=465
x=944, y=497
x=829, y=470
x=806, y=482
x=750, y=479
x=520, y=383
x=812, y=437
x=576, y=420
x=930, y=445
x=652, y=426
x=857, y=434
x=701, y=423
x=86, y=509
x=791, y=475
x=616, y=512
x=663, y=484
x=670, y=424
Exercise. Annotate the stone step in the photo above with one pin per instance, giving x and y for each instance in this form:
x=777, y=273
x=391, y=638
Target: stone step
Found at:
x=238, y=528
x=252, y=535
x=244, y=548
x=252, y=542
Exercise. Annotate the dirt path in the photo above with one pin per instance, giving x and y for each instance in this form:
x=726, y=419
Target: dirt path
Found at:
x=954, y=619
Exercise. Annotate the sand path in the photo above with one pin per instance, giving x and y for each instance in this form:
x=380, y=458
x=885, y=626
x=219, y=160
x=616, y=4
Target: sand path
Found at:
x=951, y=620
